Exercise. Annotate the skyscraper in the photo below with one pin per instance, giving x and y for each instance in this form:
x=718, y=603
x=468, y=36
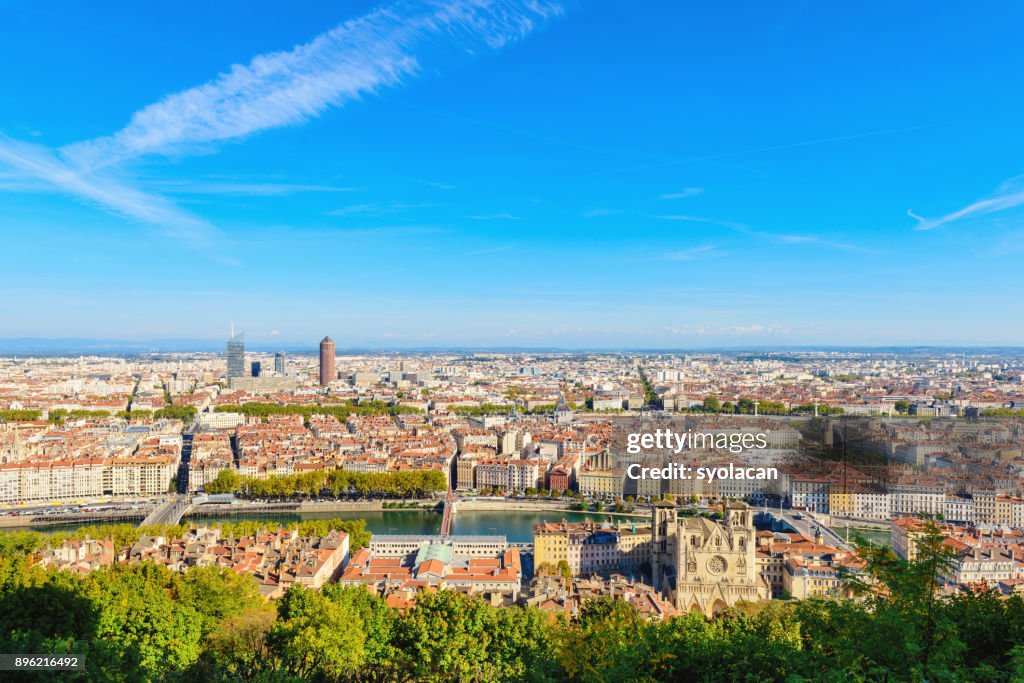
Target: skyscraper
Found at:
x=279, y=363
x=256, y=368
x=327, y=373
x=236, y=355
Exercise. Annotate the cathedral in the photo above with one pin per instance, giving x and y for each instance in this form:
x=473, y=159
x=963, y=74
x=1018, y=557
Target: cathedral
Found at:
x=706, y=566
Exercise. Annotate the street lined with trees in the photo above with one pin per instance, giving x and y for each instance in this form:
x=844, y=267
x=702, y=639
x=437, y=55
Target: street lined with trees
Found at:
x=338, y=483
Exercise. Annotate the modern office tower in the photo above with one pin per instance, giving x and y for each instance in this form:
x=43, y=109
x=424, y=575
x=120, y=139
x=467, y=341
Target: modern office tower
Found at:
x=327, y=374
x=236, y=355
x=256, y=366
x=279, y=363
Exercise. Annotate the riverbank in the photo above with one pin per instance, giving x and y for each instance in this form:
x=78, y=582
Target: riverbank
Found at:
x=31, y=521
x=515, y=525
x=486, y=505
x=246, y=508
x=872, y=530
x=462, y=506
x=213, y=510
x=855, y=522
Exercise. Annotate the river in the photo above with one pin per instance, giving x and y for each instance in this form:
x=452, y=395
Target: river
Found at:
x=516, y=525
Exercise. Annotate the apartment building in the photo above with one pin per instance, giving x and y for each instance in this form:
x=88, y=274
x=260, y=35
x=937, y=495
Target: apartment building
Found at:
x=601, y=483
x=492, y=473
x=991, y=507
x=783, y=438
x=983, y=566
x=560, y=478
x=858, y=501
x=927, y=500
x=810, y=493
x=465, y=472
x=959, y=509
x=904, y=534
x=591, y=548
x=803, y=579
x=69, y=480
x=523, y=474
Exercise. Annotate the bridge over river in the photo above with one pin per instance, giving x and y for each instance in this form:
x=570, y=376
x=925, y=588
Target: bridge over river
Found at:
x=449, y=512
x=803, y=523
x=169, y=512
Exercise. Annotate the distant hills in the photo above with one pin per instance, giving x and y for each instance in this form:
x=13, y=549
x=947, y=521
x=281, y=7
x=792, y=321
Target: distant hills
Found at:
x=36, y=346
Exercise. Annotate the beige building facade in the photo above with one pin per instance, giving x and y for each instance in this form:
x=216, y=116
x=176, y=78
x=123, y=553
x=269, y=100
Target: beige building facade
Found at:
x=706, y=566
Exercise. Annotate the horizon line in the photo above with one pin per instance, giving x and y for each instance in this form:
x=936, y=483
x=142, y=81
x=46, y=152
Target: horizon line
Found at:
x=87, y=345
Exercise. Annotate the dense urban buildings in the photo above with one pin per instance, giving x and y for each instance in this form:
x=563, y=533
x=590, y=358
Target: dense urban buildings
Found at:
x=276, y=559
x=522, y=422
x=839, y=430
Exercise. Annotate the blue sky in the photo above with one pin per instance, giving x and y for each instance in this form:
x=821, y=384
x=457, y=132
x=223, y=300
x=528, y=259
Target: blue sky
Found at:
x=572, y=174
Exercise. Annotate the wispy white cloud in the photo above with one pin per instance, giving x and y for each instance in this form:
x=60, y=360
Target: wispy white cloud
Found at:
x=287, y=88
x=686, y=192
x=108, y=192
x=355, y=209
x=489, y=250
x=380, y=231
x=815, y=240
x=773, y=237
x=442, y=186
x=253, y=189
x=692, y=253
x=738, y=227
x=1009, y=196
x=790, y=145
x=708, y=330
x=596, y=213
x=376, y=208
x=495, y=217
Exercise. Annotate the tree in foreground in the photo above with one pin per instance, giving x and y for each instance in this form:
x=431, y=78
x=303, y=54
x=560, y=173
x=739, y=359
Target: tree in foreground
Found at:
x=145, y=623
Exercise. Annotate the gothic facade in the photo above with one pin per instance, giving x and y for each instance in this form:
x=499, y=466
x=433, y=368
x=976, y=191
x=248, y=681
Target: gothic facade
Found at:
x=706, y=566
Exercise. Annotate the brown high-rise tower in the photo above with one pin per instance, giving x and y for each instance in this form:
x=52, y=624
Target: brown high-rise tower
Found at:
x=327, y=374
